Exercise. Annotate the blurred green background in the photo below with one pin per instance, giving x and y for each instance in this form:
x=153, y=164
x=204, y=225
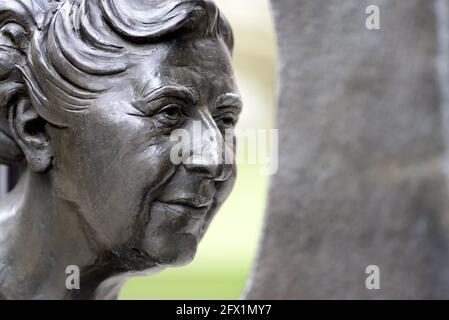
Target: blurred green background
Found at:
x=225, y=256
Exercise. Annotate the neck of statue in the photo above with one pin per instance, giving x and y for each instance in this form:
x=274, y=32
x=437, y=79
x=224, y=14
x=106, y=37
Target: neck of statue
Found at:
x=43, y=245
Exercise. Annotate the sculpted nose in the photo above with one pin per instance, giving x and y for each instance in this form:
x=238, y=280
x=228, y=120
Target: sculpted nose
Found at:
x=208, y=151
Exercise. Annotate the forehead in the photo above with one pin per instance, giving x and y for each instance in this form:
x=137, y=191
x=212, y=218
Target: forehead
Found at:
x=203, y=65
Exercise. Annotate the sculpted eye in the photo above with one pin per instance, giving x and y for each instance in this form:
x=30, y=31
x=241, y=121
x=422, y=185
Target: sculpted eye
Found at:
x=227, y=120
x=170, y=116
x=171, y=111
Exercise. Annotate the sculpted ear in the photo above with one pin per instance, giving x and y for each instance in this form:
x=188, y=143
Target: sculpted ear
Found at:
x=22, y=131
x=29, y=132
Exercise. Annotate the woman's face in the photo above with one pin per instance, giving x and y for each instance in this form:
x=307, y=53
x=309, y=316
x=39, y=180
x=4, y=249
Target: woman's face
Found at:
x=114, y=161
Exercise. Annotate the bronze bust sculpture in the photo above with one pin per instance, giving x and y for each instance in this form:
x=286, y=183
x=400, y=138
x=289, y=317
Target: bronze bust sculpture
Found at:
x=90, y=92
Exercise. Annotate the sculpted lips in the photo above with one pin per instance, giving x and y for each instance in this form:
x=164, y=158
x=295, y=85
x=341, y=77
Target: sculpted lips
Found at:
x=193, y=208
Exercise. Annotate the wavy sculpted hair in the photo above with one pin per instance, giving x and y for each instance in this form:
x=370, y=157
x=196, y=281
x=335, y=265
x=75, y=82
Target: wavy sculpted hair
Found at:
x=53, y=51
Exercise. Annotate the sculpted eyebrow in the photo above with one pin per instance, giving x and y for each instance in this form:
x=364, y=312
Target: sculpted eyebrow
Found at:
x=144, y=99
x=175, y=91
x=229, y=100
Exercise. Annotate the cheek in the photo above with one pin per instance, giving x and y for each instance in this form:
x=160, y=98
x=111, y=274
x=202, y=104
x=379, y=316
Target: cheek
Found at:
x=115, y=161
x=130, y=156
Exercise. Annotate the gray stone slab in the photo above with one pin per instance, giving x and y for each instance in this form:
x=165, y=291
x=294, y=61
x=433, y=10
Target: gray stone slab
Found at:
x=360, y=178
